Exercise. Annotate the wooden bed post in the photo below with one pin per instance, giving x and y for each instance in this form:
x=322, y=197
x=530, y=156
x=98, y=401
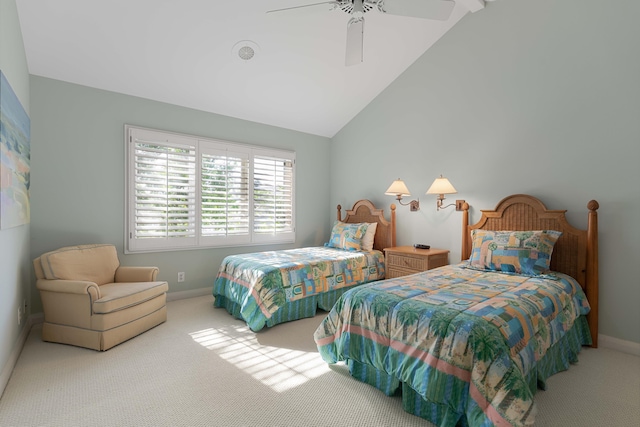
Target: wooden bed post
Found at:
x=339, y=212
x=592, y=270
x=393, y=225
x=466, y=237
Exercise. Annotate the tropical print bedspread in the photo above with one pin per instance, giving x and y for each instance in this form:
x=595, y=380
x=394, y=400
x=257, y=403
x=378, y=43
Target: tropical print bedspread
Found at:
x=256, y=286
x=471, y=345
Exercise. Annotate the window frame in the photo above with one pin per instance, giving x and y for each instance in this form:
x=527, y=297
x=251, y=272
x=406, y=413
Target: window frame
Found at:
x=133, y=244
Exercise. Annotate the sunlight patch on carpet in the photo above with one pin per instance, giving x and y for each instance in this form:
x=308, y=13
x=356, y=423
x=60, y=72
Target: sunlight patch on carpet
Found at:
x=279, y=368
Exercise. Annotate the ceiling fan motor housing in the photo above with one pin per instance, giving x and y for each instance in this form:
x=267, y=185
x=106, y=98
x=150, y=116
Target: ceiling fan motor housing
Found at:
x=349, y=6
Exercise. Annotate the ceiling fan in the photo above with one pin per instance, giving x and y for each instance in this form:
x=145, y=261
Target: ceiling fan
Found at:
x=426, y=9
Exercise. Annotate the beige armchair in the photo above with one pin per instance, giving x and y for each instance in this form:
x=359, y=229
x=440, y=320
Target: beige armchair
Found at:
x=90, y=301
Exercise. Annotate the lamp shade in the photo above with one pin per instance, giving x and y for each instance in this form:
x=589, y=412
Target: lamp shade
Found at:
x=441, y=186
x=397, y=188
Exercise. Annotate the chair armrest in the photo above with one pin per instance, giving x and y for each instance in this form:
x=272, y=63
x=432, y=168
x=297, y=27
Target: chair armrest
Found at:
x=136, y=274
x=81, y=287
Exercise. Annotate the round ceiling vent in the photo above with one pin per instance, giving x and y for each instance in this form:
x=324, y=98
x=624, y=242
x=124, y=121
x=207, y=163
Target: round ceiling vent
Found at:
x=245, y=51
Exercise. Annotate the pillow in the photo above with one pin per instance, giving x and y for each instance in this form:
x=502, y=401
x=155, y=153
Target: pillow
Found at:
x=347, y=236
x=521, y=252
x=368, y=238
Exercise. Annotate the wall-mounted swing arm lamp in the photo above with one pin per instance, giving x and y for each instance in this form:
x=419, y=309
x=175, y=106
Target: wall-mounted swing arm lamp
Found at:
x=442, y=186
x=400, y=190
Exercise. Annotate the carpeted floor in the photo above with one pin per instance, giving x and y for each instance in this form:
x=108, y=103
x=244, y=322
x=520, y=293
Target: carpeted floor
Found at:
x=204, y=368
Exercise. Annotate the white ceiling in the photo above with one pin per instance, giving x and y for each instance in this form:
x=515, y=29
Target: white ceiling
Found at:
x=182, y=52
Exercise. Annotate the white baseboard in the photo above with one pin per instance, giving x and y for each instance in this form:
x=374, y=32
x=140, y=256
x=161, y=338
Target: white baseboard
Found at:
x=7, y=369
x=172, y=296
x=619, y=345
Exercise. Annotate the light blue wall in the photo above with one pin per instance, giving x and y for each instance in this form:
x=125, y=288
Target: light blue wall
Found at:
x=522, y=97
x=14, y=242
x=537, y=97
x=77, y=162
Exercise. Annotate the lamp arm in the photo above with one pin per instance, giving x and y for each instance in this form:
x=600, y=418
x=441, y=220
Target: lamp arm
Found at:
x=459, y=204
x=399, y=199
x=415, y=204
x=443, y=207
x=440, y=201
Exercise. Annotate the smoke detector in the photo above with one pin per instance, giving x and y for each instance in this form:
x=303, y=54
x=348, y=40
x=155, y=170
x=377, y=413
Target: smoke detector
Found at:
x=245, y=51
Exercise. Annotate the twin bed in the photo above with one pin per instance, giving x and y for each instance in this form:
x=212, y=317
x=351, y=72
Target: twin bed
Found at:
x=267, y=288
x=468, y=344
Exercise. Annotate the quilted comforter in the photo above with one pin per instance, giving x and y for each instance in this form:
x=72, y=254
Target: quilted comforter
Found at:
x=266, y=288
x=465, y=347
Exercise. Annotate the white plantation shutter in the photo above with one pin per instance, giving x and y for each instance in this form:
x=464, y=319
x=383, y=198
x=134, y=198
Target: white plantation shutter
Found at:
x=272, y=196
x=185, y=192
x=225, y=196
x=164, y=190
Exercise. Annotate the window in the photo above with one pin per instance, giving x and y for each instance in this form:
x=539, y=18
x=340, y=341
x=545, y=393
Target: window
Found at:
x=186, y=192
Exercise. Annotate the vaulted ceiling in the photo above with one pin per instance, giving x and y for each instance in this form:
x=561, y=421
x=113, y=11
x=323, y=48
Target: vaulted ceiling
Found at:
x=193, y=53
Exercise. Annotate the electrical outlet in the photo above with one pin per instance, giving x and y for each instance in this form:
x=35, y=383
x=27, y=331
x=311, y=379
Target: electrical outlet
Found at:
x=181, y=276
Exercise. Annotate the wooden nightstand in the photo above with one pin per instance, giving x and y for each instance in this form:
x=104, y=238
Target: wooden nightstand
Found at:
x=403, y=260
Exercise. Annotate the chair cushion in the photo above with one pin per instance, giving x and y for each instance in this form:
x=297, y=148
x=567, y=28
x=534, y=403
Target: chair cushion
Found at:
x=94, y=263
x=118, y=296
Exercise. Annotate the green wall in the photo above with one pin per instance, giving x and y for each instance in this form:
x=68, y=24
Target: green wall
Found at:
x=536, y=97
x=15, y=264
x=78, y=174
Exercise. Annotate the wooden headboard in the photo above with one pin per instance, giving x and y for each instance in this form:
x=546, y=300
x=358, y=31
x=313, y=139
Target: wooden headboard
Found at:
x=364, y=211
x=575, y=253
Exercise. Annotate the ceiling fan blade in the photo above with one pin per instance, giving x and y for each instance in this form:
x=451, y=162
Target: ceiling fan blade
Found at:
x=427, y=9
x=355, y=37
x=300, y=7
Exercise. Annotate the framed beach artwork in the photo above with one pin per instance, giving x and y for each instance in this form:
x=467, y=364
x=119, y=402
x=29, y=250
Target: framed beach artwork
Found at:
x=15, y=133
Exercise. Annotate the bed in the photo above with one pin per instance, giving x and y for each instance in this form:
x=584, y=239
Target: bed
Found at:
x=267, y=288
x=470, y=343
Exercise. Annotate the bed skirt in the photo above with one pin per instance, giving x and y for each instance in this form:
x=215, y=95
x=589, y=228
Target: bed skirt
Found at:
x=293, y=310
x=558, y=358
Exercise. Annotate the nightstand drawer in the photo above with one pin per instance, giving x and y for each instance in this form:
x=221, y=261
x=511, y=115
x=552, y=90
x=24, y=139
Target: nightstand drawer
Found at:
x=404, y=260
x=407, y=261
x=393, y=272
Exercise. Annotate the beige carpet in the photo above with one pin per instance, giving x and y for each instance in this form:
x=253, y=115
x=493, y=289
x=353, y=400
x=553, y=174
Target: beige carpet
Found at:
x=204, y=368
